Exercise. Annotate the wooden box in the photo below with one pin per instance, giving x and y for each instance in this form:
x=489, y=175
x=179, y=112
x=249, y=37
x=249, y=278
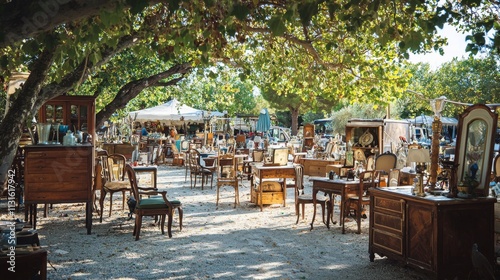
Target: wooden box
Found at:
x=267, y=198
x=178, y=162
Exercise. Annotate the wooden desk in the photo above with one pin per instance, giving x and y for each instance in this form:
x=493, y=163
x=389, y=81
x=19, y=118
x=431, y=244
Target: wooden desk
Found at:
x=261, y=172
x=433, y=233
x=59, y=174
x=340, y=187
x=153, y=169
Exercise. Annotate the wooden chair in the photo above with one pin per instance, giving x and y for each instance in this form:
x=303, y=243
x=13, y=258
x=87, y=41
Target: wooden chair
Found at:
x=302, y=199
x=227, y=170
x=496, y=168
x=384, y=163
x=361, y=198
x=113, y=180
x=156, y=204
x=28, y=266
x=197, y=170
x=241, y=141
x=258, y=155
x=393, y=178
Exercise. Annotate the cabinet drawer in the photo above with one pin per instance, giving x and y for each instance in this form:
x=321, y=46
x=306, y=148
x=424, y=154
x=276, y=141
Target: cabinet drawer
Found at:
x=391, y=206
x=56, y=165
x=57, y=197
x=63, y=153
x=66, y=175
x=388, y=222
x=388, y=241
x=59, y=187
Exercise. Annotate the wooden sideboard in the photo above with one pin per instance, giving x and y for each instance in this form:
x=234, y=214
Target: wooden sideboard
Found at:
x=316, y=167
x=433, y=233
x=59, y=174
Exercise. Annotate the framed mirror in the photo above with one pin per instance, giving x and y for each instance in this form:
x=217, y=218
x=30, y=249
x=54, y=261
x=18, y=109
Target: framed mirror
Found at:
x=476, y=131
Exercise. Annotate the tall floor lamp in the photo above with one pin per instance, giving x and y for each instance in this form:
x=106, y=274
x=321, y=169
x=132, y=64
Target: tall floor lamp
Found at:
x=437, y=106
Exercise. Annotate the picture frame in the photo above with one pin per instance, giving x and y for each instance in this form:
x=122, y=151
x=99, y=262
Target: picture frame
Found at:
x=280, y=156
x=349, y=159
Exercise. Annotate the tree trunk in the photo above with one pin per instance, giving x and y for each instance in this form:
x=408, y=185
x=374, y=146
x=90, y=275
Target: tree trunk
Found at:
x=11, y=127
x=33, y=96
x=295, y=120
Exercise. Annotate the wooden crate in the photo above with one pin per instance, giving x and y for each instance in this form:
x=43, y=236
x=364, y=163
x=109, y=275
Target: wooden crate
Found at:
x=267, y=198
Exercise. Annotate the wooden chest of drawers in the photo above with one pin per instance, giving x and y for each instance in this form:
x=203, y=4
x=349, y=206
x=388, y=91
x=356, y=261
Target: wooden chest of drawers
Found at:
x=433, y=233
x=316, y=167
x=59, y=174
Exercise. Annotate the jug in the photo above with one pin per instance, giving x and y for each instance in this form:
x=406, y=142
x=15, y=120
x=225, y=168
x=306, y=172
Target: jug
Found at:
x=69, y=139
x=43, y=131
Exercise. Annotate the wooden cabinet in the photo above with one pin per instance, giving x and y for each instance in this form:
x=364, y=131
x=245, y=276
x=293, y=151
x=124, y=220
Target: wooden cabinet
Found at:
x=77, y=112
x=308, y=136
x=59, y=174
x=433, y=233
x=365, y=135
x=316, y=167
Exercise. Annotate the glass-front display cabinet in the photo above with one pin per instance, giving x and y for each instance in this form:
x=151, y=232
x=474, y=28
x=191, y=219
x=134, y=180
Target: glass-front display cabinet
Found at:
x=73, y=113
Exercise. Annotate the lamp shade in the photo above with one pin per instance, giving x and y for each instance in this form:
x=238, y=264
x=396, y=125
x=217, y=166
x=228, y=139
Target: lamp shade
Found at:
x=418, y=155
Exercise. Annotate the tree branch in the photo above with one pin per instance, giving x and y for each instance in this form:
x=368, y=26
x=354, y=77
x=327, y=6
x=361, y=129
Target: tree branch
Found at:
x=306, y=44
x=20, y=20
x=132, y=89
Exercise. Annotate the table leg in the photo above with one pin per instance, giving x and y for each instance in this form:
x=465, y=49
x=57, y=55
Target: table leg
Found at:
x=314, y=207
x=329, y=210
x=34, y=215
x=284, y=192
x=88, y=216
x=154, y=178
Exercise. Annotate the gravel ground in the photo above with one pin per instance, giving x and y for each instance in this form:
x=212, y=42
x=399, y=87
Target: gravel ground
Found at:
x=223, y=243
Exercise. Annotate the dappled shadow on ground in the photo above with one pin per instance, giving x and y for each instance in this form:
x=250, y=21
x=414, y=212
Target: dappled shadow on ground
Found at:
x=223, y=243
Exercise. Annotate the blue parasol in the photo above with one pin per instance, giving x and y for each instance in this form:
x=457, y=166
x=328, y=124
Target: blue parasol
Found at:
x=264, y=121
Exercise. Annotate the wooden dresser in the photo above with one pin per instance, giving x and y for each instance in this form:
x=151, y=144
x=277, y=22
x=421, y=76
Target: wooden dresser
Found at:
x=59, y=174
x=316, y=167
x=433, y=233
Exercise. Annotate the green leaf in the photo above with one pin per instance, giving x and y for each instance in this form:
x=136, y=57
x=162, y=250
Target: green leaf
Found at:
x=240, y=11
x=307, y=11
x=173, y=5
x=136, y=6
x=277, y=26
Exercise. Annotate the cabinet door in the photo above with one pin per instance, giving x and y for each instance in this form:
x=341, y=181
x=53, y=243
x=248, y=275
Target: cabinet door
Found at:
x=78, y=117
x=420, y=236
x=53, y=112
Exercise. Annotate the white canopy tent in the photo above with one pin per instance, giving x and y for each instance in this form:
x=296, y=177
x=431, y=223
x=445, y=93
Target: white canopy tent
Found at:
x=172, y=112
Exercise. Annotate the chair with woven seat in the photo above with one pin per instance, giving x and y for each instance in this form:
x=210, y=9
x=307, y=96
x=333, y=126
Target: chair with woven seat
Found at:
x=301, y=199
x=227, y=176
x=361, y=198
x=113, y=168
x=154, y=204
